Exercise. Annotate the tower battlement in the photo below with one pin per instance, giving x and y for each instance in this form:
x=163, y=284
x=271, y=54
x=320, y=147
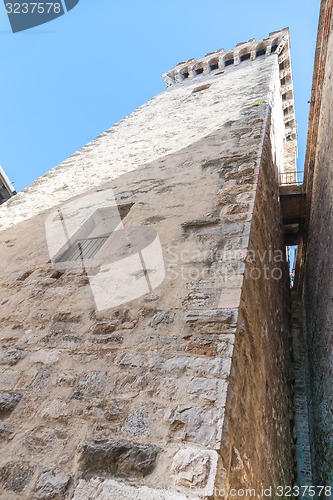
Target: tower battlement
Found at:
x=219, y=62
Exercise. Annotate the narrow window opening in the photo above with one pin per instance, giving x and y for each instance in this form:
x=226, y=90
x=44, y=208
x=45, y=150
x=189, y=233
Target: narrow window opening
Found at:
x=281, y=66
x=213, y=66
x=274, y=47
x=199, y=71
x=283, y=81
x=185, y=75
x=260, y=52
x=245, y=57
x=229, y=62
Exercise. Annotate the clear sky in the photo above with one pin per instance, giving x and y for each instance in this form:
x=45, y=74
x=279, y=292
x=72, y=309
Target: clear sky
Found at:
x=67, y=81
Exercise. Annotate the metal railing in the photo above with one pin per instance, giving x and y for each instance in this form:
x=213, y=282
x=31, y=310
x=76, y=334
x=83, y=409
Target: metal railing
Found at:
x=289, y=178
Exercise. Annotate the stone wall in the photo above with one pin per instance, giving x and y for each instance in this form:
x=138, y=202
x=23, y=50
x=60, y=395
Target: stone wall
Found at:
x=181, y=389
x=259, y=399
x=318, y=267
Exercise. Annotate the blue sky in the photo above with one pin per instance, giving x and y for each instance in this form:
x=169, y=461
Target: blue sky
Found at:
x=67, y=81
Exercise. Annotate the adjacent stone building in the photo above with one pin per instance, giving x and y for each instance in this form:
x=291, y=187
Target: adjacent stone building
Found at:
x=145, y=299
x=315, y=255
x=7, y=189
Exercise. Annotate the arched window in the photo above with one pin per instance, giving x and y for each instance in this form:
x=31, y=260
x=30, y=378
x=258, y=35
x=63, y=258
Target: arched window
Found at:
x=245, y=57
x=229, y=59
x=260, y=50
x=213, y=64
x=275, y=45
x=184, y=74
x=198, y=70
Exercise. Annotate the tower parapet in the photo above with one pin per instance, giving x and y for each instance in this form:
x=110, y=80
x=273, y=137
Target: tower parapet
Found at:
x=216, y=64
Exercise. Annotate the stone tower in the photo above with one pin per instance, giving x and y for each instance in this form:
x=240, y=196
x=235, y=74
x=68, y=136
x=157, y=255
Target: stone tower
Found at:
x=145, y=337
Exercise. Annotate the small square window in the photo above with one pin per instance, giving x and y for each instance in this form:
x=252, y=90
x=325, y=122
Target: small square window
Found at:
x=94, y=233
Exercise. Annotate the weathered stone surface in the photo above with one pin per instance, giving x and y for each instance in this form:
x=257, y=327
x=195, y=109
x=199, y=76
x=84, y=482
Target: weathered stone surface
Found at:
x=16, y=476
x=196, y=425
x=13, y=356
x=197, y=299
x=113, y=490
x=51, y=484
x=46, y=357
x=236, y=460
x=259, y=403
x=41, y=379
x=136, y=423
x=118, y=458
x=66, y=380
x=207, y=316
x=194, y=365
x=93, y=382
x=56, y=409
x=8, y=402
x=213, y=320
x=104, y=327
x=109, y=339
x=152, y=297
x=208, y=389
x=9, y=379
x=5, y=434
x=129, y=359
x=65, y=316
x=198, y=223
x=165, y=317
x=196, y=469
x=315, y=255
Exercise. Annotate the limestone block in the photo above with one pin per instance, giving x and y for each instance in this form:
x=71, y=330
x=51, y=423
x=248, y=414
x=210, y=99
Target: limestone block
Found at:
x=103, y=327
x=8, y=402
x=57, y=409
x=195, y=469
x=96, y=489
x=51, y=484
x=213, y=390
x=93, y=382
x=16, y=476
x=211, y=316
x=194, y=365
x=118, y=458
x=212, y=320
x=46, y=357
x=129, y=359
x=166, y=317
x=8, y=380
x=196, y=425
x=5, y=434
x=198, y=223
x=136, y=423
x=13, y=356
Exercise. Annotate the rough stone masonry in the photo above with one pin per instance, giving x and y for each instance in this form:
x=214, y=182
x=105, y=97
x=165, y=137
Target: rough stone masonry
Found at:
x=183, y=391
